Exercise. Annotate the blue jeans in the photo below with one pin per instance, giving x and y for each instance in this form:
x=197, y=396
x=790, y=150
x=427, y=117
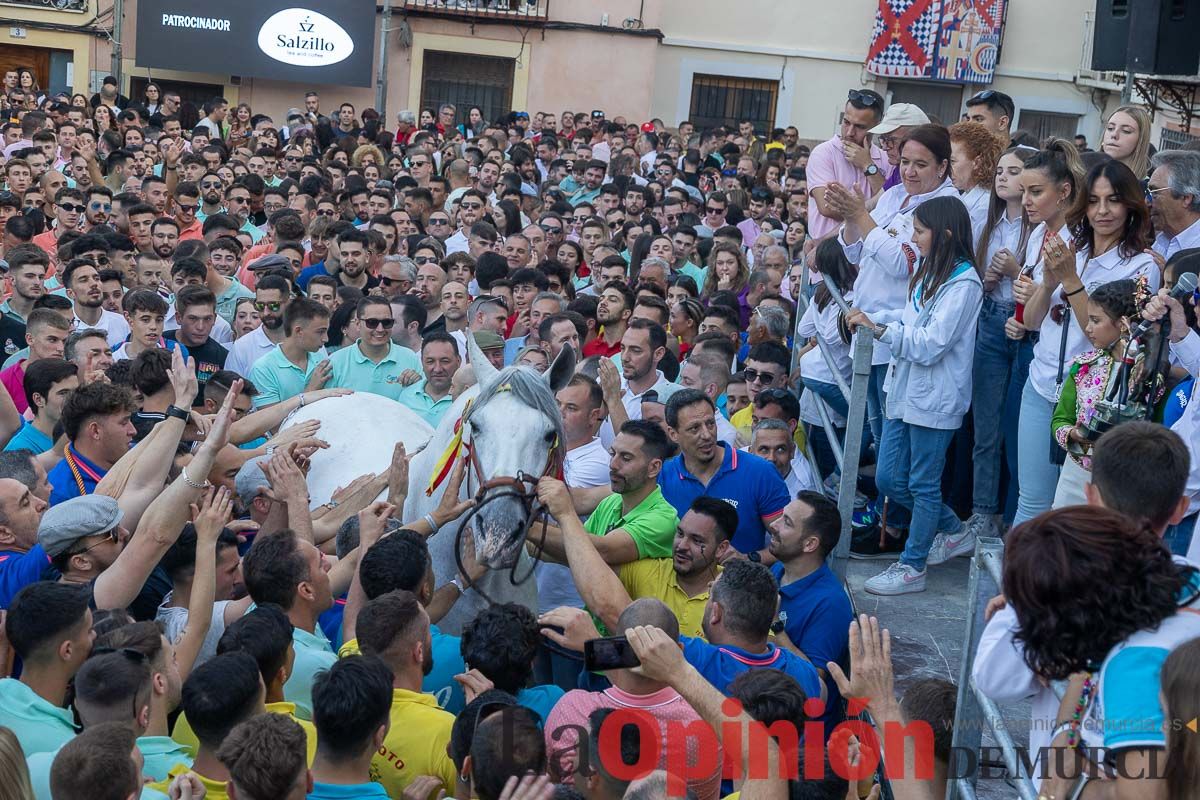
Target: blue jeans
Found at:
x=1178, y=537
x=1011, y=424
x=822, y=448
x=909, y=472
x=996, y=359
x=877, y=402
x=1038, y=477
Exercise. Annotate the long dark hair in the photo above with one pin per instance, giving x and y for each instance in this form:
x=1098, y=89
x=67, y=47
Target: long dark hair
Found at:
x=1180, y=680
x=831, y=262
x=512, y=217
x=1083, y=579
x=996, y=209
x=1126, y=185
x=950, y=223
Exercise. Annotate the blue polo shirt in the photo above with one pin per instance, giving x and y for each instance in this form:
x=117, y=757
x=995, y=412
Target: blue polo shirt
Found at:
x=339, y=791
x=418, y=400
x=816, y=614
x=64, y=483
x=720, y=664
x=748, y=483
x=29, y=438
x=351, y=369
x=18, y=570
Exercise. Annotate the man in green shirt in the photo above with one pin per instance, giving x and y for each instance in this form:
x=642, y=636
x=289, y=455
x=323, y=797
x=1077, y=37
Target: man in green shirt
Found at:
x=374, y=363
x=299, y=363
x=636, y=522
x=50, y=628
x=430, y=397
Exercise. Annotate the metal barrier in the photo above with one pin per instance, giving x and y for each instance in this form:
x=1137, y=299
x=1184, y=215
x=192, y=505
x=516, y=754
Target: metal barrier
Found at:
x=848, y=453
x=975, y=711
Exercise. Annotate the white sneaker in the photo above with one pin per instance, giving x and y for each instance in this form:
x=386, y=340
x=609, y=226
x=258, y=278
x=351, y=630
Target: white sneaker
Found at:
x=951, y=545
x=896, y=579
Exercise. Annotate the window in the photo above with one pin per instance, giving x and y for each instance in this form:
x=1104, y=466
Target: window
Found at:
x=719, y=100
x=1045, y=124
x=941, y=103
x=195, y=93
x=466, y=80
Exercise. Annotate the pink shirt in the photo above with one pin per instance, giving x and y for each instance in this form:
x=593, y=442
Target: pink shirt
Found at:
x=827, y=164
x=13, y=379
x=664, y=706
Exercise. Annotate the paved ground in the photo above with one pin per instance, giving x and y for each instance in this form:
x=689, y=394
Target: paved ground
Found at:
x=927, y=631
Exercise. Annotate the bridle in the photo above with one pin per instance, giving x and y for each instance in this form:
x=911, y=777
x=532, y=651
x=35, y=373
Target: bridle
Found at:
x=522, y=486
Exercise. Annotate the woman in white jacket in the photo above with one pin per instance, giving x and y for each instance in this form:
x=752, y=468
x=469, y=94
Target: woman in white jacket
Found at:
x=932, y=341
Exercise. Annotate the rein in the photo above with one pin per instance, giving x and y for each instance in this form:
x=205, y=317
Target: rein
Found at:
x=522, y=486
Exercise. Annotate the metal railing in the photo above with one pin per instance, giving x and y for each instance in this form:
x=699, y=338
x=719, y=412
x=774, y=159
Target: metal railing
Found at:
x=475, y=10
x=50, y=5
x=846, y=454
x=975, y=711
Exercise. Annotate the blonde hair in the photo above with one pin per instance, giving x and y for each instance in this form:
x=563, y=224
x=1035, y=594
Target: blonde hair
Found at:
x=1139, y=159
x=14, y=773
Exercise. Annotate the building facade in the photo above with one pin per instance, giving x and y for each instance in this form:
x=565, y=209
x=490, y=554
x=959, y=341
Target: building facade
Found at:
x=778, y=63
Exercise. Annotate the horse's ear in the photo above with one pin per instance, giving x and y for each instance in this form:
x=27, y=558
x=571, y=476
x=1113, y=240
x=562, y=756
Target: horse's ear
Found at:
x=563, y=368
x=485, y=371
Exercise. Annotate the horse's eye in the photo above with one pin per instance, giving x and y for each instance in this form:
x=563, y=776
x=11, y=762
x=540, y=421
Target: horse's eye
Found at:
x=550, y=437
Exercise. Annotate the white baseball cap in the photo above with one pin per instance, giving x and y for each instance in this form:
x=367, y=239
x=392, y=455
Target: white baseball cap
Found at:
x=900, y=115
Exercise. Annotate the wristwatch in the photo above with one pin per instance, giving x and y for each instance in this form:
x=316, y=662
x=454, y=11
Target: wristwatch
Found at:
x=871, y=170
x=177, y=413
x=754, y=556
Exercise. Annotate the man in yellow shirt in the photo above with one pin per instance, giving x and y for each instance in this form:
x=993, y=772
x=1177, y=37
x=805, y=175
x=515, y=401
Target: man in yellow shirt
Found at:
x=266, y=634
x=767, y=368
x=681, y=582
x=395, y=627
x=219, y=694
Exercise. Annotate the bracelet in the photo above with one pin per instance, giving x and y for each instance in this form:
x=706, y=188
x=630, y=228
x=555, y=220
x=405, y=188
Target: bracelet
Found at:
x=432, y=524
x=188, y=480
x=1077, y=291
x=458, y=585
x=178, y=413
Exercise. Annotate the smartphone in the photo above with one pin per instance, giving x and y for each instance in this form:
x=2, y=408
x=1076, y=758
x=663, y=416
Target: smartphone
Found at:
x=612, y=652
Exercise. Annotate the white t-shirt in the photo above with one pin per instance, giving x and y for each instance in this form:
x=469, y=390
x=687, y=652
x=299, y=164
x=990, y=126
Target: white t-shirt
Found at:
x=1112, y=266
x=115, y=328
x=175, y=619
x=583, y=467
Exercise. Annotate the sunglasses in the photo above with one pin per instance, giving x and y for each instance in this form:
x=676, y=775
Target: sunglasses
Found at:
x=985, y=95
x=1151, y=192
x=71, y=208
x=712, y=210
x=385, y=281
x=551, y=228
x=272, y=307
x=754, y=376
x=292, y=159
x=376, y=322
x=420, y=164
x=1058, y=312
x=326, y=213
x=472, y=206
x=110, y=536
x=187, y=209
x=423, y=260
x=862, y=98
x=438, y=221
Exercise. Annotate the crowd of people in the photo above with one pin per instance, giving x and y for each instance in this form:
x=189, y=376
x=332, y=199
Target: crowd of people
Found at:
x=179, y=621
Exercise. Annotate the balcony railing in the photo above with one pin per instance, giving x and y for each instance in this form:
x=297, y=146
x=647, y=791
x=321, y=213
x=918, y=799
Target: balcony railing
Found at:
x=50, y=5
x=475, y=10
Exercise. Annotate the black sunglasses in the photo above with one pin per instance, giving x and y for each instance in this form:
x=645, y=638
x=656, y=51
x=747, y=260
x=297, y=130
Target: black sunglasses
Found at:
x=863, y=98
x=373, y=323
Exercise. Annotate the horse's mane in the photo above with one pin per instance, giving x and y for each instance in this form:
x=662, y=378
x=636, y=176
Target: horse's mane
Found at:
x=528, y=387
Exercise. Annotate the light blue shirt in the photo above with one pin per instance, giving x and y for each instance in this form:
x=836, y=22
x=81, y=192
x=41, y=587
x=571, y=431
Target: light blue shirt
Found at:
x=314, y=654
x=29, y=438
x=39, y=725
x=351, y=369
x=350, y=791
x=153, y=751
x=430, y=410
x=278, y=379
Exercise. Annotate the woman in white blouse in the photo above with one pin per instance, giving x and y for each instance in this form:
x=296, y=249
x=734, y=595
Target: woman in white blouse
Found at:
x=879, y=242
x=1109, y=228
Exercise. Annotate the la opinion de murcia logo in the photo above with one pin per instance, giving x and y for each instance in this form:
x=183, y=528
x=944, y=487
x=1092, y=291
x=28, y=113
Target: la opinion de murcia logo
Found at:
x=303, y=37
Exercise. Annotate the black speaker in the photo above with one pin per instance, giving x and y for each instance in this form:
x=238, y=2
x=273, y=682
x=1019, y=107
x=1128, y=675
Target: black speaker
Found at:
x=1156, y=37
x=1163, y=37
x=1110, y=36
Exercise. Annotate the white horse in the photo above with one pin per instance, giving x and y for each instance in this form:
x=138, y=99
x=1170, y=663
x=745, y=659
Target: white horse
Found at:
x=511, y=428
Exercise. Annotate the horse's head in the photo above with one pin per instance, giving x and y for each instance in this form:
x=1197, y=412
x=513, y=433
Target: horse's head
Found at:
x=515, y=432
